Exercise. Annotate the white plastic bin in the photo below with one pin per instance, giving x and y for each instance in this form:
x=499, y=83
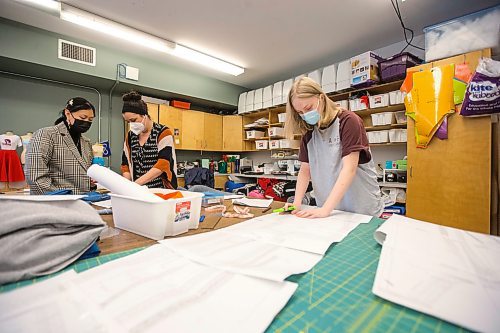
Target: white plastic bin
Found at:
x=281, y=117
x=400, y=117
x=253, y=134
x=372, y=137
x=343, y=104
x=287, y=143
x=274, y=144
x=383, y=136
x=383, y=118
x=276, y=131
x=379, y=101
x=156, y=220
x=261, y=144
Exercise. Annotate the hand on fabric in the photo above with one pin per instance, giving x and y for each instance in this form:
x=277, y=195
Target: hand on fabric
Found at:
x=312, y=213
x=296, y=205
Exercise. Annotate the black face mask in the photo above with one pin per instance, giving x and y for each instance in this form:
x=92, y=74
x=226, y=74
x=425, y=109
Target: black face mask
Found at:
x=80, y=126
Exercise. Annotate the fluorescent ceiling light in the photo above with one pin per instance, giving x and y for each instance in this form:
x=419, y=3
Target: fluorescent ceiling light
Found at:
x=97, y=23
x=206, y=60
x=53, y=7
x=114, y=29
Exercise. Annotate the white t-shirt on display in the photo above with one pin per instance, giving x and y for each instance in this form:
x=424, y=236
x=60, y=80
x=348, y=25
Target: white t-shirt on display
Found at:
x=10, y=142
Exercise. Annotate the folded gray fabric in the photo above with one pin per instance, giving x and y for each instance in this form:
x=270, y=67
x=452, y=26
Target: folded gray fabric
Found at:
x=39, y=238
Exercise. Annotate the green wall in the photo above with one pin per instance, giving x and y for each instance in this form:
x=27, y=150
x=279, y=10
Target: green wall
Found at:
x=27, y=104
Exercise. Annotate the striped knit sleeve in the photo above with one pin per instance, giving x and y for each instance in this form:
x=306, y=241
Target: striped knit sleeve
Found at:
x=166, y=161
x=126, y=152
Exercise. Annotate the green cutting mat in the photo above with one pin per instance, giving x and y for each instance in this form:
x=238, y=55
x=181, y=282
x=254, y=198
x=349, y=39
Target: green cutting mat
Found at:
x=335, y=296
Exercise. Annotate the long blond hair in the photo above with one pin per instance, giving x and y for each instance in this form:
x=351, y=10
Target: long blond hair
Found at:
x=305, y=88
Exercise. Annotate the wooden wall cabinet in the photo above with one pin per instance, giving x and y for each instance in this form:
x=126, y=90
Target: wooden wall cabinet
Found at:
x=172, y=118
x=232, y=133
x=449, y=182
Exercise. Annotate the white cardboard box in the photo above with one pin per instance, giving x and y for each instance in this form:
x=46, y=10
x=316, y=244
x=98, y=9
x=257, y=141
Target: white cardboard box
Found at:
x=343, y=104
x=315, y=75
x=278, y=93
x=287, y=85
x=328, y=76
x=343, y=79
x=281, y=117
x=257, y=99
x=250, y=99
x=267, y=97
x=242, y=103
x=364, y=68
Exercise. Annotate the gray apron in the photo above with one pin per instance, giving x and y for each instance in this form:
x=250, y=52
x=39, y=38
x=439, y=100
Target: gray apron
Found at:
x=325, y=161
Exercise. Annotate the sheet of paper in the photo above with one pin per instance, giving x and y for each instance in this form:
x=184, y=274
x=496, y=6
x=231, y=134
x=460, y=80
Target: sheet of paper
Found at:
x=448, y=273
x=240, y=254
x=69, y=197
x=104, y=203
x=156, y=290
x=53, y=305
x=259, y=203
x=233, y=196
x=310, y=235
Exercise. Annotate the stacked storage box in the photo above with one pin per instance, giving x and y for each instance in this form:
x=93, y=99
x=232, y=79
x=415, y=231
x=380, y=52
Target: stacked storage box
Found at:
x=249, y=101
x=315, y=75
x=242, y=103
x=328, y=79
x=278, y=93
x=257, y=99
x=343, y=78
x=364, y=69
x=267, y=97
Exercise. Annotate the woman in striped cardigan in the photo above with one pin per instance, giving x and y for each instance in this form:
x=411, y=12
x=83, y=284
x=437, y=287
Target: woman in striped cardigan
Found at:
x=148, y=152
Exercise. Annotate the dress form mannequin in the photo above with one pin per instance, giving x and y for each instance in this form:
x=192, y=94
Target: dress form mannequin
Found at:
x=26, y=140
x=11, y=171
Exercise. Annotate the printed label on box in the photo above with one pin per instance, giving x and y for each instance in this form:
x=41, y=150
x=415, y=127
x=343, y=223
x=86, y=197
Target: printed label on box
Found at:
x=182, y=211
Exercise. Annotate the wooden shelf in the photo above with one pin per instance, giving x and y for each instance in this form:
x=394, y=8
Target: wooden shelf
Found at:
x=376, y=89
x=277, y=125
x=388, y=144
x=392, y=184
x=262, y=138
x=390, y=108
x=385, y=127
x=256, y=127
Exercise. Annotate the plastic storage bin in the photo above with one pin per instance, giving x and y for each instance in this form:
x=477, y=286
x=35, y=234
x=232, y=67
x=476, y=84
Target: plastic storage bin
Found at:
x=276, y=131
x=281, y=117
x=287, y=143
x=383, y=118
x=396, y=97
x=471, y=32
x=156, y=220
x=342, y=104
x=261, y=144
x=274, y=144
x=255, y=134
x=379, y=101
x=400, y=117
x=394, y=68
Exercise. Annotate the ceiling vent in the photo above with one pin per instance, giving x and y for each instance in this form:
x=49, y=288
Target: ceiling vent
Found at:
x=81, y=54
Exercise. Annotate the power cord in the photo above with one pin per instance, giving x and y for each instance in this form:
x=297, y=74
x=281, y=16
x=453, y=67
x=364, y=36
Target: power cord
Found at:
x=395, y=5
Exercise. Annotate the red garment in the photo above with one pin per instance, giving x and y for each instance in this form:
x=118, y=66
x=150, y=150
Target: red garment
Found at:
x=267, y=186
x=10, y=167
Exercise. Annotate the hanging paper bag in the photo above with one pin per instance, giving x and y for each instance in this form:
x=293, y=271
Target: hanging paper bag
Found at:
x=483, y=92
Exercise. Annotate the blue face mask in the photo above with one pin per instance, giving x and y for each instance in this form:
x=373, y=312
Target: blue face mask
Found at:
x=311, y=117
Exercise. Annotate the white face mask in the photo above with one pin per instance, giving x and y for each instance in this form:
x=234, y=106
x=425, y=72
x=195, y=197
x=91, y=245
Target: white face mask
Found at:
x=137, y=128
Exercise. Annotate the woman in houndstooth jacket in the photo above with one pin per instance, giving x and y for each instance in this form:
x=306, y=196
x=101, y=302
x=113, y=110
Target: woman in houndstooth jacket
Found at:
x=59, y=156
